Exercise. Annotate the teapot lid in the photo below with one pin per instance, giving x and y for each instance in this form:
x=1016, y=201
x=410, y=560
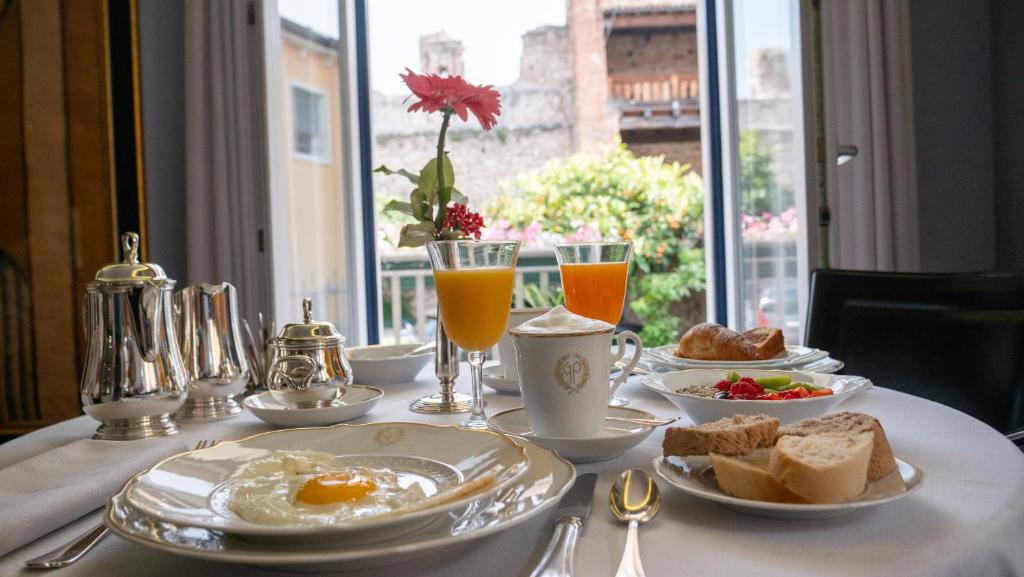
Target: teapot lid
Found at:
x=130, y=270
x=308, y=329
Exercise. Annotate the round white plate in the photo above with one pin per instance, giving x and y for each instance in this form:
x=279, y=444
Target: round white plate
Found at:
x=793, y=356
x=704, y=410
x=615, y=438
x=386, y=364
x=694, y=475
x=494, y=377
x=546, y=479
x=193, y=488
x=356, y=402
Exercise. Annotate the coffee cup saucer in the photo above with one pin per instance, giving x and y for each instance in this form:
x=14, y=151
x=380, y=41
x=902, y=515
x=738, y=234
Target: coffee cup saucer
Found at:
x=354, y=403
x=494, y=377
x=615, y=438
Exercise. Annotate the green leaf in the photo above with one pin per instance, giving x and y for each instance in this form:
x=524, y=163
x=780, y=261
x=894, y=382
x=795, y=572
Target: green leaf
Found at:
x=417, y=234
x=428, y=178
x=399, y=207
x=401, y=172
x=420, y=207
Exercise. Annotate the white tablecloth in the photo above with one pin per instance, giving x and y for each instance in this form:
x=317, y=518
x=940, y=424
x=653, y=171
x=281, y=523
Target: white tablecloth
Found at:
x=967, y=520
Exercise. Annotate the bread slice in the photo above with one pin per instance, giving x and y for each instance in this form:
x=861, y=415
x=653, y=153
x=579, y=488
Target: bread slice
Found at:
x=825, y=467
x=882, y=461
x=768, y=341
x=735, y=435
x=747, y=477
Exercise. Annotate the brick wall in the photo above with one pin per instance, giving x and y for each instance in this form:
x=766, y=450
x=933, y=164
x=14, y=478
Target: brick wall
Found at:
x=662, y=52
x=595, y=124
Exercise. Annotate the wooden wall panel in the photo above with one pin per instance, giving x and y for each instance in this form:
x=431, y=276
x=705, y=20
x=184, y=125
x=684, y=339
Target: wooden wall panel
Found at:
x=56, y=200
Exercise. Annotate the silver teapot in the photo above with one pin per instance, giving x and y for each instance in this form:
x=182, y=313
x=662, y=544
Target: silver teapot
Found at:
x=134, y=378
x=211, y=346
x=308, y=368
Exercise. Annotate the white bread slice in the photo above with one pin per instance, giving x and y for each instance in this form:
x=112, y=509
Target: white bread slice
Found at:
x=747, y=477
x=735, y=435
x=823, y=468
x=882, y=461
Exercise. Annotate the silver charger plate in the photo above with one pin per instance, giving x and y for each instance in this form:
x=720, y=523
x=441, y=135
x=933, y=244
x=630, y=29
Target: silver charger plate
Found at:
x=546, y=479
x=696, y=476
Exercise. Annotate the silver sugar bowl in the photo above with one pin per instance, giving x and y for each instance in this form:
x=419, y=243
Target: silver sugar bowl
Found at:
x=211, y=347
x=308, y=368
x=134, y=378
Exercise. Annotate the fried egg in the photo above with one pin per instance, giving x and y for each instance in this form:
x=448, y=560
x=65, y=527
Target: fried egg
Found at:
x=308, y=488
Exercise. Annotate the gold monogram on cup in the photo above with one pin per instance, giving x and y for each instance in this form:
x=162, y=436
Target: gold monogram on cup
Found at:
x=572, y=372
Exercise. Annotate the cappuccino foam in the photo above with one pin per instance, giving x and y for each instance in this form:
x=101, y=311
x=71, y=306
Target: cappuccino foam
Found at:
x=561, y=321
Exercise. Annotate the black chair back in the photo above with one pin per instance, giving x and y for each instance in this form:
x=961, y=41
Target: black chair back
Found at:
x=957, y=339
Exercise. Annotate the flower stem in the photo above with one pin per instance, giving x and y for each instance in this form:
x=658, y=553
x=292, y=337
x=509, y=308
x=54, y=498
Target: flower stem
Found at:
x=441, y=202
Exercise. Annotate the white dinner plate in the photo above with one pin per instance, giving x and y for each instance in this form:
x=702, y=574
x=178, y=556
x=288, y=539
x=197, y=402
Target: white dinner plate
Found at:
x=194, y=488
x=704, y=410
x=793, y=356
x=546, y=479
x=694, y=475
x=356, y=402
x=616, y=437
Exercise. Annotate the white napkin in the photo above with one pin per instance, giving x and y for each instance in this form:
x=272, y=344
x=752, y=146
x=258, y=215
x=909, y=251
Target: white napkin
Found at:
x=49, y=490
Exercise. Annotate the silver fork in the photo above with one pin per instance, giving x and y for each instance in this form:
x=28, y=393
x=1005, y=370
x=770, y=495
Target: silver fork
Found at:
x=73, y=551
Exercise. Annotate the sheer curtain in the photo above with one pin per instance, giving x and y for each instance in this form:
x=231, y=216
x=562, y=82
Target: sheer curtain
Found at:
x=225, y=149
x=874, y=209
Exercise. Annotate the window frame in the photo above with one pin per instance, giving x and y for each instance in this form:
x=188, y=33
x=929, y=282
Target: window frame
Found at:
x=324, y=121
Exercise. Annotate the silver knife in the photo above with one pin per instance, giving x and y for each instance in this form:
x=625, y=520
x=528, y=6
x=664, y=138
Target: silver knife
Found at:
x=573, y=509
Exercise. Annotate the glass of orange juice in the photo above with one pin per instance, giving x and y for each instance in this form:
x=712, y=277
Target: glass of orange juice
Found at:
x=594, y=281
x=474, y=281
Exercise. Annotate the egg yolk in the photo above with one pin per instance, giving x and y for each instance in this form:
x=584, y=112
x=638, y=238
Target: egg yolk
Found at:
x=334, y=488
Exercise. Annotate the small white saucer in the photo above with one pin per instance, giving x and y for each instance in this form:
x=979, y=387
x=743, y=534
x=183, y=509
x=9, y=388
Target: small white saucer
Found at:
x=356, y=402
x=494, y=377
x=615, y=438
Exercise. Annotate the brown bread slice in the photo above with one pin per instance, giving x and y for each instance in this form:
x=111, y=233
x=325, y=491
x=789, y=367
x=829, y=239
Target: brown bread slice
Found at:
x=747, y=477
x=882, y=461
x=823, y=468
x=735, y=435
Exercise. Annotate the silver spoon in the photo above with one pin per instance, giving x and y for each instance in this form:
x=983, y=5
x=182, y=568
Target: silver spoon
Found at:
x=635, y=499
x=643, y=422
x=420, y=350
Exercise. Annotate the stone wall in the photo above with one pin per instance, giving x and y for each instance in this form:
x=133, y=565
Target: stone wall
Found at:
x=535, y=126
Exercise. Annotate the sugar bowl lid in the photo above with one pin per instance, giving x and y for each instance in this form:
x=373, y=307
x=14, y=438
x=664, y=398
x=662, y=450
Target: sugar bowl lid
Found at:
x=130, y=270
x=309, y=332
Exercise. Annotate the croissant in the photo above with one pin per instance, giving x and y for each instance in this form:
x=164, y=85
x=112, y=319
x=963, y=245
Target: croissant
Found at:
x=713, y=342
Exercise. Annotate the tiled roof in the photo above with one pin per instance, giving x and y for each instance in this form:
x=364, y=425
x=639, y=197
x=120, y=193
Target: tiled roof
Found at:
x=645, y=6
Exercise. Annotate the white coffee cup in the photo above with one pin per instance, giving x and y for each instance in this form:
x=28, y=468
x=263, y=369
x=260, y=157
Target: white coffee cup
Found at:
x=564, y=363
x=506, y=351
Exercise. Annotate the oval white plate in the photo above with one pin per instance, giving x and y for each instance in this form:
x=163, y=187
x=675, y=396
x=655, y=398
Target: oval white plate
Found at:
x=615, y=439
x=356, y=402
x=694, y=475
x=386, y=364
x=704, y=410
x=186, y=489
x=795, y=355
x=494, y=377
x=547, y=478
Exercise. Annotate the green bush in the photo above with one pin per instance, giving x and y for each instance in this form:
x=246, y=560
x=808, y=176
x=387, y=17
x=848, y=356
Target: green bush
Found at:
x=615, y=196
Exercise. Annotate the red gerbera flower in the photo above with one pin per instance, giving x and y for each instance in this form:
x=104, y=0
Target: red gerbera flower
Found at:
x=436, y=93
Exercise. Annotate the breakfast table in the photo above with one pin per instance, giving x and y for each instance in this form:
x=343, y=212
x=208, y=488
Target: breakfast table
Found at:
x=967, y=519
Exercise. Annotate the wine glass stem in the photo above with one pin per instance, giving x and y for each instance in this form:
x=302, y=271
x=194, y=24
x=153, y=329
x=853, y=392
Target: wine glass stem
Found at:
x=477, y=419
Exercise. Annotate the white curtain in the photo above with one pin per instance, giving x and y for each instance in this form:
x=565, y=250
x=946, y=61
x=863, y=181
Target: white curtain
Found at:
x=225, y=152
x=874, y=208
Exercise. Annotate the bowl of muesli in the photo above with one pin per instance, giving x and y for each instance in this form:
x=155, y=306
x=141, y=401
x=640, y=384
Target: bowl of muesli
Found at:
x=709, y=394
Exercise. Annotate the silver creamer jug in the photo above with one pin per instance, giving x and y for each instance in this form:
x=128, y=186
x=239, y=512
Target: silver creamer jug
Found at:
x=134, y=378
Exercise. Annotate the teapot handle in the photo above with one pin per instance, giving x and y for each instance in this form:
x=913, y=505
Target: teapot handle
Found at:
x=298, y=379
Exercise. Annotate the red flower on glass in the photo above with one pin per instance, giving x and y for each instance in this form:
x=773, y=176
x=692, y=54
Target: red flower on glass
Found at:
x=436, y=93
x=461, y=218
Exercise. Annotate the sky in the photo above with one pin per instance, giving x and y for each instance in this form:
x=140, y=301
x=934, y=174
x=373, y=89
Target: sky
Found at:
x=491, y=32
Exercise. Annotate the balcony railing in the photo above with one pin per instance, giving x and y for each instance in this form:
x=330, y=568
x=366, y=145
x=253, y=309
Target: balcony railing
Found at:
x=655, y=88
x=410, y=303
